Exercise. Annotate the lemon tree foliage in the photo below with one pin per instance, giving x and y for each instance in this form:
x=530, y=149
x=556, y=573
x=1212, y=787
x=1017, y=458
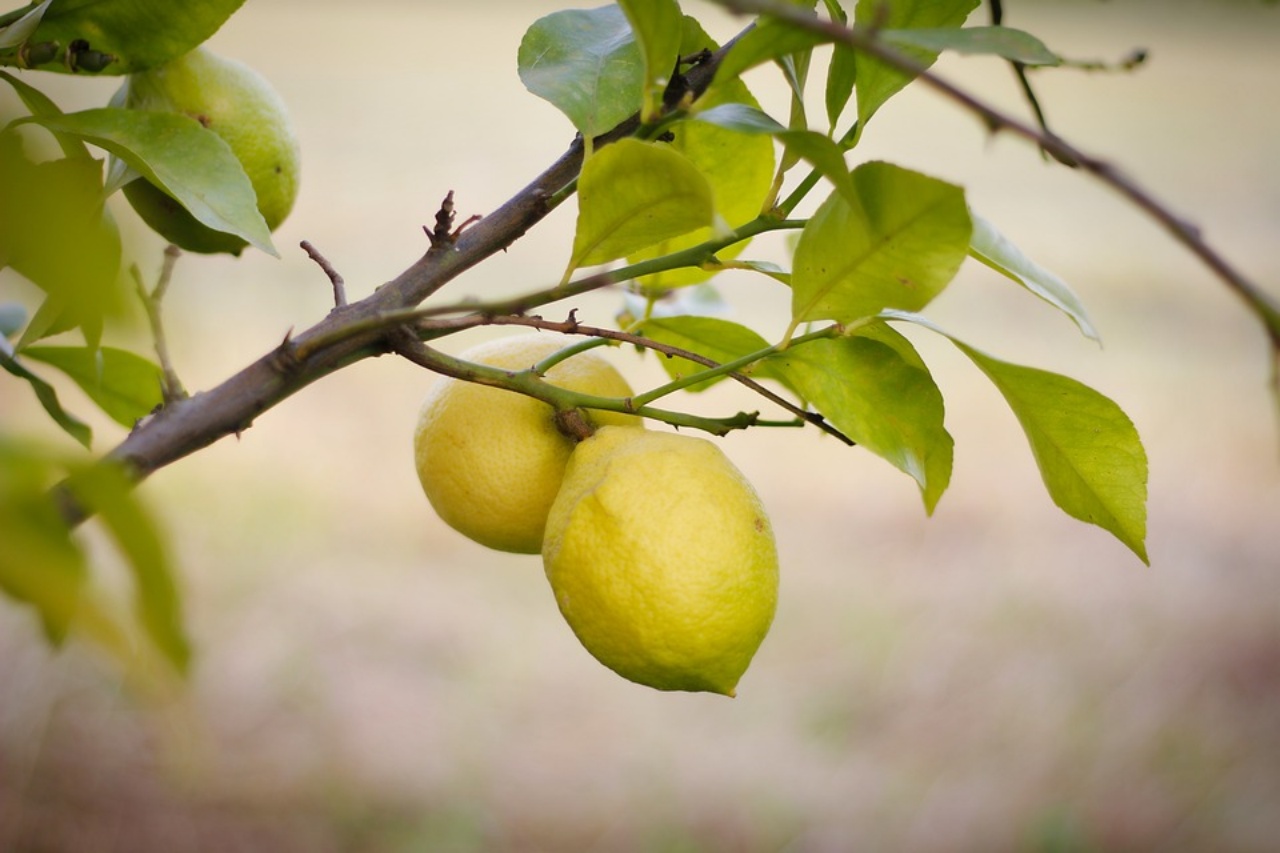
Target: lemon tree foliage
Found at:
x=660, y=555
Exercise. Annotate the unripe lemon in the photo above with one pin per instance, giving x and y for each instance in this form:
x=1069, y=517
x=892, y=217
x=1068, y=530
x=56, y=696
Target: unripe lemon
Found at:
x=490, y=460
x=662, y=559
x=239, y=105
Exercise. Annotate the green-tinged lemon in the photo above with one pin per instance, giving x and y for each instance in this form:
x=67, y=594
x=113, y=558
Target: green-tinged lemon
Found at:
x=662, y=559
x=490, y=460
x=239, y=105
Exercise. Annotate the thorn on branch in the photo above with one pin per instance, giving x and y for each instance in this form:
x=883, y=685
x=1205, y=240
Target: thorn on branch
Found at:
x=339, y=286
x=284, y=358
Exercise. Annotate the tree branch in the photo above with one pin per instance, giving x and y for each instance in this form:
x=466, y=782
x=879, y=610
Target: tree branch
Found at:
x=188, y=425
x=1265, y=306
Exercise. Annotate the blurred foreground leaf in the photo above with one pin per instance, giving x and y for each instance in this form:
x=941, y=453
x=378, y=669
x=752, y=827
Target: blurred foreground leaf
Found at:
x=108, y=492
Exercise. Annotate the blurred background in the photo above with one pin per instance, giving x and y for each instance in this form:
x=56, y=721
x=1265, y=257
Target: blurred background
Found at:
x=996, y=677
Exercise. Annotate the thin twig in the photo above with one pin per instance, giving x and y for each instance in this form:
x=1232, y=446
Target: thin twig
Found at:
x=339, y=286
x=170, y=385
x=572, y=327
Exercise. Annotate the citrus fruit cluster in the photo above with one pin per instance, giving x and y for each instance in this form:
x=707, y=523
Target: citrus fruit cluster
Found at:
x=659, y=552
x=237, y=104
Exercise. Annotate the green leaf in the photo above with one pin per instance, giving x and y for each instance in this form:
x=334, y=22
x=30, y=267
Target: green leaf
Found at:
x=1089, y=453
x=993, y=249
x=47, y=396
x=587, y=64
x=139, y=34
x=42, y=105
x=39, y=563
x=738, y=168
x=55, y=231
x=815, y=148
x=897, y=247
x=124, y=385
x=883, y=400
x=188, y=161
x=657, y=25
x=108, y=492
x=720, y=340
x=767, y=41
x=633, y=194
x=877, y=82
x=1005, y=42
x=842, y=74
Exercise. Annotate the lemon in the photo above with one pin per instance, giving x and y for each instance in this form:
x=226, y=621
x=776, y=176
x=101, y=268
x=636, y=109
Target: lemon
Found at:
x=662, y=559
x=490, y=460
x=239, y=105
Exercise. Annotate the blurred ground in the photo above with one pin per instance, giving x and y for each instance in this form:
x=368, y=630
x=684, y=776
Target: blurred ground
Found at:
x=997, y=677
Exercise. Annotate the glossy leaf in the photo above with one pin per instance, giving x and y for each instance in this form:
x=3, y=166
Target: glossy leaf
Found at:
x=633, y=194
x=877, y=82
x=993, y=249
x=124, y=385
x=657, y=25
x=1005, y=42
x=720, y=340
x=898, y=246
x=883, y=400
x=139, y=34
x=587, y=64
x=189, y=162
x=108, y=492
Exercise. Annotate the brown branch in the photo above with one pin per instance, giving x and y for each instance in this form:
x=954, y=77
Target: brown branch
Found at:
x=185, y=426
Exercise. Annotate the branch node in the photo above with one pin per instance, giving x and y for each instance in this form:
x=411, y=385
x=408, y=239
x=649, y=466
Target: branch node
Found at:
x=442, y=236
x=574, y=424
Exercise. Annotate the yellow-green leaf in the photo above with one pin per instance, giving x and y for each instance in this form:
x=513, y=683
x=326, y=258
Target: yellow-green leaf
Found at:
x=633, y=194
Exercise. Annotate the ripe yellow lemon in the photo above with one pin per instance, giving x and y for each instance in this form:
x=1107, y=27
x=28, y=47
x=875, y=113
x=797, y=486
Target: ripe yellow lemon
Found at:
x=490, y=460
x=239, y=105
x=662, y=559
